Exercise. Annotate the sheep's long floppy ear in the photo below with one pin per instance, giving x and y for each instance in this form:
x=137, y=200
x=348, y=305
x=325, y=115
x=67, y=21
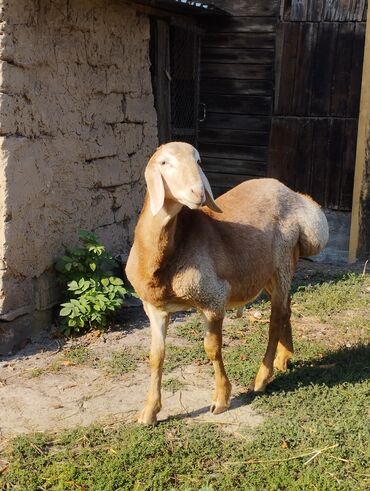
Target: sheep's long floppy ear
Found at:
x=210, y=201
x=155, y=188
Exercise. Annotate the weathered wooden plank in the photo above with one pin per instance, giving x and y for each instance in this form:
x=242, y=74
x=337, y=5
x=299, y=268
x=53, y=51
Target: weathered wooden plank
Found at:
x=285, y=10
x=303, y=155
x=278, y=140
x=312, y=10
x=237, y=55
x=291, y=160
x=236, y=121
x=244, y=71
x=238, y=137
x=356, y=71
x=297, y=11
x=230, y=104
x=323, y=68
x=315, y=156
x=235, y=87
x=279, y=50
x=334, y=163
x=348, y=165
x=241, y=40
x=339, y=10
x=262, y=8
x=359, y=10
x=238, y=24
x=365, y=11
x=330, y=10
x=234, y=166
x=301, y=99
x=344, y=11
x=222, y=182
x=160, y=31
x=239, y=152
x=324, y=10
x=282, y=150
x=342, y=69
x=288, y=33
x=319, y=156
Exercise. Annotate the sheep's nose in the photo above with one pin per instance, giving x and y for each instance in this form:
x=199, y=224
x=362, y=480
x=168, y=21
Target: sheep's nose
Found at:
x=198, y=194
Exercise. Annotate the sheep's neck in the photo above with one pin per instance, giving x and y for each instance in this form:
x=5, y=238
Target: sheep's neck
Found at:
x=158, y=239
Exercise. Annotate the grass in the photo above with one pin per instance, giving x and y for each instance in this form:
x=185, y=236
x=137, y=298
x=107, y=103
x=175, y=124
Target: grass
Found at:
x=178, y=356
x=333, y=297
x=173, y=385
x=192, y=329
x=122, y=362
x=315, y=435
x=36, y=372
x=77, y=355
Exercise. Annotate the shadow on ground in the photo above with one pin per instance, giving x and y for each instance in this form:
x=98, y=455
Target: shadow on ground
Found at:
x=345, y=365
x=350, y=365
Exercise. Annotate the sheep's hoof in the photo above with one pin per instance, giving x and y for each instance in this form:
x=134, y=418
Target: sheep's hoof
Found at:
x=215, y=409
x=260, y=387
x=281, y=364
x=239, y=312
x=147, y=418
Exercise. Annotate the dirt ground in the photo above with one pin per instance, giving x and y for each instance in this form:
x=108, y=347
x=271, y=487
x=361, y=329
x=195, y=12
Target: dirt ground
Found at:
x=40, y=391
x=43, y=389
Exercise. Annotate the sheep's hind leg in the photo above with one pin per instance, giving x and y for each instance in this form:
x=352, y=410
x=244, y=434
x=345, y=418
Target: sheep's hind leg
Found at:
x=279, y=320
x=158, y=325
x=285, y=344
x=213, y=348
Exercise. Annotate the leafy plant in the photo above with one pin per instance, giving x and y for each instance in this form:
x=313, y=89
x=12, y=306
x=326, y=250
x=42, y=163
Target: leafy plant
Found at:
x=89, y=260
x=92, y=292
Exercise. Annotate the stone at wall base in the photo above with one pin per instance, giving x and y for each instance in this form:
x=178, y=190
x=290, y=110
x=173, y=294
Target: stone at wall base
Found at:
x=16, y=333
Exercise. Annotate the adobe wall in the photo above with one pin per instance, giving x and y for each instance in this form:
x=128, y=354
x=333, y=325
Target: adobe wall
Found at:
x=77, y=125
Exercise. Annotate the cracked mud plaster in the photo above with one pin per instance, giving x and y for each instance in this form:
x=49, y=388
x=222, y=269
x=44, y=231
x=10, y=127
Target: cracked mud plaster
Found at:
x=77, y=126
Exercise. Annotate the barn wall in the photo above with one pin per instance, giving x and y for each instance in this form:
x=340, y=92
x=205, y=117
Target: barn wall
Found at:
x=77, y=124
x=319, y=58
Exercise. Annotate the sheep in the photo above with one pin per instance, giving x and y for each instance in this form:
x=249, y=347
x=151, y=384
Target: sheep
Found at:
x=191, y=251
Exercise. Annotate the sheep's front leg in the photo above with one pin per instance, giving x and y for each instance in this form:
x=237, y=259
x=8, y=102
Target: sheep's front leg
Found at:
x=213, y=348
x=158, y=325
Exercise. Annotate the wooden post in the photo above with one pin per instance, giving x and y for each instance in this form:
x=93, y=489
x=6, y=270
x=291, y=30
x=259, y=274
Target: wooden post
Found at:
x=162, y=83
x=359, y=243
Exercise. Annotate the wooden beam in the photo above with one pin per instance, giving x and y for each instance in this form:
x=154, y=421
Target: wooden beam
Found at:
x=359, y=244
x=161, y=85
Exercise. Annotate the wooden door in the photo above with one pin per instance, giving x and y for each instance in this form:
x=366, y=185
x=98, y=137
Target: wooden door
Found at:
x=318, y=65
x=237, y=70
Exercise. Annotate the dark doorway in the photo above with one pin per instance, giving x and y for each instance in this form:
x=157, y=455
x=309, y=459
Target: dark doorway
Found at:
x=175, y=71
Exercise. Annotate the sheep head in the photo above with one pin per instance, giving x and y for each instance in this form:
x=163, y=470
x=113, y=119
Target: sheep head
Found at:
x=173, y=173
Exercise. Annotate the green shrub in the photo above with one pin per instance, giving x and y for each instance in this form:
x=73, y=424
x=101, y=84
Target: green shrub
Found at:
x=91, y=291
x=89, y=260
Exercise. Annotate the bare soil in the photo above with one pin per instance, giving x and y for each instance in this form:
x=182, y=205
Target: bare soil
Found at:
x=40, y=390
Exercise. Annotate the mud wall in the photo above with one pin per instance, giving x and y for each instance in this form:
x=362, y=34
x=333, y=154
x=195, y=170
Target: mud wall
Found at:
x=77, y=124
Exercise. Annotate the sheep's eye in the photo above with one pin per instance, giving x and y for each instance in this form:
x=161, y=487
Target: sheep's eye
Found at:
x=163, y=163
x=199, y=162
